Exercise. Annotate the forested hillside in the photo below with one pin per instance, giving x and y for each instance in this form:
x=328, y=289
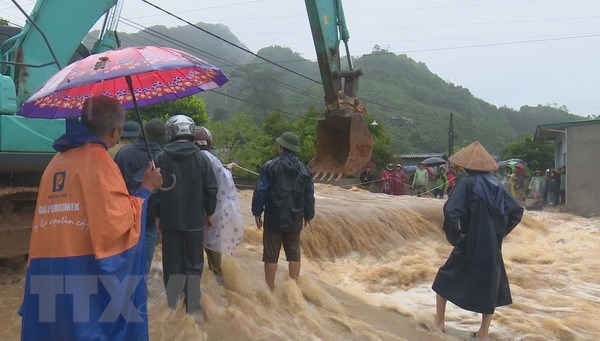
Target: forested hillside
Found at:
x=409, y=102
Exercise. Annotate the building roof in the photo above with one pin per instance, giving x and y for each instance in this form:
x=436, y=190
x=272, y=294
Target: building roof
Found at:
x=549, y=131
x=420, y=155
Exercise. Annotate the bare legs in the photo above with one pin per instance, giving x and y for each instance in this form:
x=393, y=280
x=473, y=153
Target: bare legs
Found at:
x=294, y=269
x=440, y=305
x=486, y=319
x=440, y=312
x=271, y=269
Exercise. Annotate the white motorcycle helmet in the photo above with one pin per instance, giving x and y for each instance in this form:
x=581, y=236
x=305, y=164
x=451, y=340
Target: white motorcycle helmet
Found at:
x=179, y=127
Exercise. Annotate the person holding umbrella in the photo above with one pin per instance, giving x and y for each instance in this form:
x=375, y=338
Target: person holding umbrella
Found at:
x=86, y=256
x=153, y=75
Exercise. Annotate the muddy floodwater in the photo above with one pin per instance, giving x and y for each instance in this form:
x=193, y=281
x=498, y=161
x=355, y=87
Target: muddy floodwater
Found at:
x=367, y=268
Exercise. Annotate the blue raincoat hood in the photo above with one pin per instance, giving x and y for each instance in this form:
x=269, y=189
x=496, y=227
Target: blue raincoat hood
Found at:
x=76, y=135
x=487, y=187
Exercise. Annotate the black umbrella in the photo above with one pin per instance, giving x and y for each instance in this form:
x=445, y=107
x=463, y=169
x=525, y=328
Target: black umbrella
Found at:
x=434, y=161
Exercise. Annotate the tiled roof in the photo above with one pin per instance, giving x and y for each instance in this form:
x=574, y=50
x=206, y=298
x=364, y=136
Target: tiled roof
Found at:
x=420, y=155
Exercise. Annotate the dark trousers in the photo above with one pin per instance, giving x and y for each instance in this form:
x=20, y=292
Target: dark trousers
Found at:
x=183, y=259
x=151, y=238
x=562, y=193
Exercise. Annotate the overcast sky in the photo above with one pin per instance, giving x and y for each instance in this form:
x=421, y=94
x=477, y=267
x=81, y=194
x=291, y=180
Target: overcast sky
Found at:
x=507, y=52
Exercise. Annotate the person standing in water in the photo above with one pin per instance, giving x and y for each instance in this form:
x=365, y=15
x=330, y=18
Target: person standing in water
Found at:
x=420, y=179
x=184, y=212
x=85, y=275
x=132, y=160
x=285, y=192
x=227, y=231
x=477, y=217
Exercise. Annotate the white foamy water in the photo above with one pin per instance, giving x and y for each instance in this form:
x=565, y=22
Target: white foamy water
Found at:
x=368, y=264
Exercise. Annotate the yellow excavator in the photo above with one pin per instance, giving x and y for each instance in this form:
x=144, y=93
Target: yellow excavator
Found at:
x=344, y=144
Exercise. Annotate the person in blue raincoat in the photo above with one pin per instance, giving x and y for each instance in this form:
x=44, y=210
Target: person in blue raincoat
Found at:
x=85, y=275
x=132, y=160
x=477, y=217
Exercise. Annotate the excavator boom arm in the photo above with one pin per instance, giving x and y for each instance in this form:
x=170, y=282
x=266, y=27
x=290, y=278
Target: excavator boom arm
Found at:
x=64, y=24
x=344, y=143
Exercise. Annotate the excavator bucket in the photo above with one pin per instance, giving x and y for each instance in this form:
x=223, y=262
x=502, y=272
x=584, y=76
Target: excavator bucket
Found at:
x=344, y=145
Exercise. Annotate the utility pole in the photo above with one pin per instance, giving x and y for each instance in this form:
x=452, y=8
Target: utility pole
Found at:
x=451, y=135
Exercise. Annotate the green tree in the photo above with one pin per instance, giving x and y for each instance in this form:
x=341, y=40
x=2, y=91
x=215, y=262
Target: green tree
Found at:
x=537, y=154
x=306, y=129
x=382, y=142
x=220, y=113
x=190, y=106
x=238, y=139
x=274, y=124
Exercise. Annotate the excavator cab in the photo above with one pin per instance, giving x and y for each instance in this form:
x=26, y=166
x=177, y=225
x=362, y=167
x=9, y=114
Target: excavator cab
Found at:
x=344, y=144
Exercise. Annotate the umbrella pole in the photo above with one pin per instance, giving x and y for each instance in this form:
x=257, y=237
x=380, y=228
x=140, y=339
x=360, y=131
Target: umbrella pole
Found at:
x=139, y=117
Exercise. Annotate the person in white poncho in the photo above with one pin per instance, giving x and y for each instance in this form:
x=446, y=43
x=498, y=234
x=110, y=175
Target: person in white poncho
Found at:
x=227, y=229
x=537, y=186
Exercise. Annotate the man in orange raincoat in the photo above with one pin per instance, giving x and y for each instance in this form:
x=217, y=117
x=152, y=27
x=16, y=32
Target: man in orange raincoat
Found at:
x=85, y=277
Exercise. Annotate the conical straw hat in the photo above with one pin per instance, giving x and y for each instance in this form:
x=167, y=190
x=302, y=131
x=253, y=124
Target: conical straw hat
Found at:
x=474, y=157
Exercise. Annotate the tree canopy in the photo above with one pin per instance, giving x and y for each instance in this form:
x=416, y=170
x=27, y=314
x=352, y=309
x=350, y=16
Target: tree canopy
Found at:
x=190, y=106
x=411, y=104
x=539, y=155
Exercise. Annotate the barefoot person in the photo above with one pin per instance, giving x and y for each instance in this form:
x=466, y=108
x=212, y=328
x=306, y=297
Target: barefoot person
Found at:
x=285, y=192
x=477, y=217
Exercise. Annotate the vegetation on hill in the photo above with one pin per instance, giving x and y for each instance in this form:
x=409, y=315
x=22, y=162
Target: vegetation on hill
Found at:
x=411, y=104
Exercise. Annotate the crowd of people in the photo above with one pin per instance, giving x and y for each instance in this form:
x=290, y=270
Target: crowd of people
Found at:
x=424, y=181
x=549, y=188
x=97, y=222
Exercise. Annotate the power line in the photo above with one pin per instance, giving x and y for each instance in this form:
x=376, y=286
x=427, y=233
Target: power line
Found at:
x=262, y=106
x=254, y=54
x=179, y=43
x=463, y=130
x=427, y=25
x=357, y=12
x=499, y=43
x=202, y=9
x=449, y=6
x=225, y=62
x=475, y=23
x=230, y=43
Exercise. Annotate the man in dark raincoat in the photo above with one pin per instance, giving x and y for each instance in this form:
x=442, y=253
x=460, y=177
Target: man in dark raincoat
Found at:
x=285, y=193
x=477, y=217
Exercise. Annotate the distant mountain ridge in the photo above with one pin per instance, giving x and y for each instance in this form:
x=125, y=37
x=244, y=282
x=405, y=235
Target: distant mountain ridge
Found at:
x=410, y=102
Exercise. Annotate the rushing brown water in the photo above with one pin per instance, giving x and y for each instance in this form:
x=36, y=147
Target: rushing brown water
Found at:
x=369, y=261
